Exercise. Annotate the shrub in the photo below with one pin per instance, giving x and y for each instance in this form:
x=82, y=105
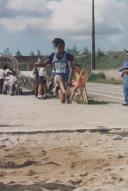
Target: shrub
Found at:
x=97, y=77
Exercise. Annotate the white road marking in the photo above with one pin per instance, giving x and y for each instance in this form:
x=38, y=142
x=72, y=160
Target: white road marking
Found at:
x=104, y=85
x=104, y=95
x=102, y=90
x=106, y=88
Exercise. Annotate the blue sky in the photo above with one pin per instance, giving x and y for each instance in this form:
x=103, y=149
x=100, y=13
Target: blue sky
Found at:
x=32, y=24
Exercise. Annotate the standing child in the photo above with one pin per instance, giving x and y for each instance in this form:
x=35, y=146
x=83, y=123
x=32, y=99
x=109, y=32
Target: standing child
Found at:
x=41, y=80
x=124, y=75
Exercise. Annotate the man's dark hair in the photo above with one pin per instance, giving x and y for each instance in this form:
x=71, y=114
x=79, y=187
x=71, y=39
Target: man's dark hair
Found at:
x=58, y=41
x=78, y=65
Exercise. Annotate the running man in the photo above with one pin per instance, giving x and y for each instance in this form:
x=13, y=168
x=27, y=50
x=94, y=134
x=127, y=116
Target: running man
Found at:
x=62, y=64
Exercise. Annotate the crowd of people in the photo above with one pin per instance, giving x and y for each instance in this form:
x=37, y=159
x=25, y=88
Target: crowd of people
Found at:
x=63, y=70
x=8, y=81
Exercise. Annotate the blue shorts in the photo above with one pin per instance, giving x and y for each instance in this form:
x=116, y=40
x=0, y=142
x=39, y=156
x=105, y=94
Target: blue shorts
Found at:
x=41, y=80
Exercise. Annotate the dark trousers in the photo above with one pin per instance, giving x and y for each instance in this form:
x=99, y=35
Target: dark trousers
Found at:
x=1, y=85
x=36, y=87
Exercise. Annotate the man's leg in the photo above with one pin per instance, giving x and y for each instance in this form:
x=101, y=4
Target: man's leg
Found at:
x=11, y=89
x=40, y=92
x=1, y=85
x=58, y=80
x=125, y=87
x=44, y=88
x=36, y=89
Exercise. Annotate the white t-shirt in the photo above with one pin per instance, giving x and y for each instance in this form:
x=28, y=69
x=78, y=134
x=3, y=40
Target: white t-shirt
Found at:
x=12, y=79
x=42, y=71
x=7, y=71
x=2, y=74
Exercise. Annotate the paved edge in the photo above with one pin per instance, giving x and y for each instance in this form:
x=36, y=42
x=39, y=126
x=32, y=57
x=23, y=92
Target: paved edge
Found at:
x=95, y=130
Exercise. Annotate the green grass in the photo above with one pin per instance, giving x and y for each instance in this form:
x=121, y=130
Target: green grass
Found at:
x=101, y=78
x=103, y=61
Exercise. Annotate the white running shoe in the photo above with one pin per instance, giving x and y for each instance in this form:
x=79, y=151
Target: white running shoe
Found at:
x=39, y=97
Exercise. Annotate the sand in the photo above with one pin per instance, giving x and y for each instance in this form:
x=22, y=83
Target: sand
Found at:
x=92, y=161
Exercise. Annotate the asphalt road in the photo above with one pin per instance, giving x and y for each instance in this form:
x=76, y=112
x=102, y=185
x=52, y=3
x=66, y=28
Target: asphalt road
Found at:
x=27, y=114
x=106, y=92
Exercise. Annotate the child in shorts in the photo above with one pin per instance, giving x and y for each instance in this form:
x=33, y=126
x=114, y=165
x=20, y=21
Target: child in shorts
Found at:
x=41, y=80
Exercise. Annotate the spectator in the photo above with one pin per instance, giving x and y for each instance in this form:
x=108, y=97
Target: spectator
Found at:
x=36, y=77
x=124, y=75
x=2, y=77
x=12, y=83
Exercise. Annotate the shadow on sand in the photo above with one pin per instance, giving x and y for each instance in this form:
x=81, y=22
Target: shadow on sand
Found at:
x=27, y=93
x=36, y=186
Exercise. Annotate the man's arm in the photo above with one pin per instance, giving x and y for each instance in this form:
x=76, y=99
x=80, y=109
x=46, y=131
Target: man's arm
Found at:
x=124, y=72
x=46, y=62
x=43, y=63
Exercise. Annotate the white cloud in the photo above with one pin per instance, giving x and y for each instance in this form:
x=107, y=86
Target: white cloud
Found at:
x=27, y=5
x=66, y=17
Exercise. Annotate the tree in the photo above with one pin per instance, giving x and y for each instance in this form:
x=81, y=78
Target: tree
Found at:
x=18, y=53
x=73, y=50
x=31, y=53
x=38, y=53
x=85, y=51
x=7, y=51
x=100, y=53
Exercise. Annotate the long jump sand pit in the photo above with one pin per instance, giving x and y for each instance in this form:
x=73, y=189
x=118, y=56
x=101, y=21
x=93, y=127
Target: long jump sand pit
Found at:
x=88, y=161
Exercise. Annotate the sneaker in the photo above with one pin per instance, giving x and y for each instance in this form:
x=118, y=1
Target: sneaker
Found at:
x=39, y=96
x=44, y=96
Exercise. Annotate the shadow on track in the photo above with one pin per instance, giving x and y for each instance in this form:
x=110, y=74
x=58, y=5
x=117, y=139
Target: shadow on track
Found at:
x=95, y=102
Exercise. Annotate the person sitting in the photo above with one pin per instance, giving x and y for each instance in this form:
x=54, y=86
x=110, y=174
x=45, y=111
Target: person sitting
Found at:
x=81, y=78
